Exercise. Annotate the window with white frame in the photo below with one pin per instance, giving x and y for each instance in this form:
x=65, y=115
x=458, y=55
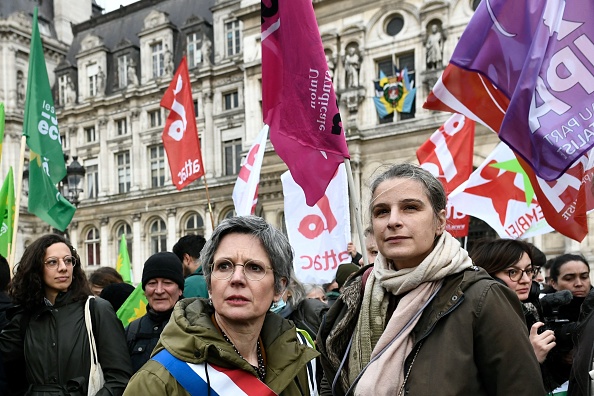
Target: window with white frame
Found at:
x=157, y=164
x=92, y=76
x=90, y=134
x=93, y=247
x=123, y=71
x=154, y=118
x=63, y=140
x=158, y=58
x=127, y=231
x=232, y=156
x=389, y=66
x=231, y=100
x=121, y=126
x=158, y=236
x=124, y=171
x=62, y=88
x=194, y=224
x=196, y=108
x=92, y=175
x=233, y=35
x=194, y=41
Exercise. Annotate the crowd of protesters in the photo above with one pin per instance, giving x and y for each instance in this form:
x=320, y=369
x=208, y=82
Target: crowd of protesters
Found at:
x=228, y=313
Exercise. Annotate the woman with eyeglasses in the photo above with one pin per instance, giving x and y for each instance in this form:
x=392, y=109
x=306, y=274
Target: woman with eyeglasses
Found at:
x=231, y=341
x=45, y=347
x=510, y=262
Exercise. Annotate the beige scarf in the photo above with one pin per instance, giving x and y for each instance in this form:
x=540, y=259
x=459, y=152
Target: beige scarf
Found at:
x=371, y=337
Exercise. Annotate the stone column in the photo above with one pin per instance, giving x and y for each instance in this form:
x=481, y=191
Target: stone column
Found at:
x=171, y=227
x=208, y=138
x=136, y=248
x=106, y=257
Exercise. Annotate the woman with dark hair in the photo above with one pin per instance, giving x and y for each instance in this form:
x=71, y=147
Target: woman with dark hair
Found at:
x=510, y=261
x=423, y=320
x=45, y=346
x=102, y=277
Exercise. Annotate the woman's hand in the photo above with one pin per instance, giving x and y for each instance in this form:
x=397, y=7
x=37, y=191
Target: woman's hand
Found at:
x=541, y=343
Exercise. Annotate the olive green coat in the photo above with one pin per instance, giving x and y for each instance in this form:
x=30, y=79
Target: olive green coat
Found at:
x=191, y=336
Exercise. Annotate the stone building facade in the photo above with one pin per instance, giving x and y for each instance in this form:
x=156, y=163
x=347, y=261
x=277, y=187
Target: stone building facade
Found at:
x=109, y=80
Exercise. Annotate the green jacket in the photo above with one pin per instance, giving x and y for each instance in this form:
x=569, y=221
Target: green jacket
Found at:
x=471, y=340
x=195, y=285
x=191, y=336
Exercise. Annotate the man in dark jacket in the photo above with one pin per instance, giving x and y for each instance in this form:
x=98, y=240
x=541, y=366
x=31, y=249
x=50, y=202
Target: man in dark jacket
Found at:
x=163, y=285
x=188, y=250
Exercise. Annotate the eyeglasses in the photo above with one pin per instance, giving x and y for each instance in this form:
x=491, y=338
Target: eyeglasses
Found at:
x=517, y=274
x=253, y=270
x=52, y=262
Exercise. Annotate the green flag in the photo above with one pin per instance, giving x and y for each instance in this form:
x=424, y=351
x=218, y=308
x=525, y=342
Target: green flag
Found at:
x=134, y=307
x=46, y=164
x=123, y=263
x=7, y=208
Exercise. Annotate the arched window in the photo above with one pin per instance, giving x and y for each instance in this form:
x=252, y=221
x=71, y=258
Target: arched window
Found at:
x=194, y=225
x=158, y=236
x=125, y=229
x=93, y=247
x=227, y=213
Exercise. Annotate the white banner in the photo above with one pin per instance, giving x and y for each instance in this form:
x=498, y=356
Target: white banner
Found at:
x=319, y=234
x=245, y=192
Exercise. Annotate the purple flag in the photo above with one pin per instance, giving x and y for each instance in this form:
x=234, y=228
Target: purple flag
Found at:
x=539, y=54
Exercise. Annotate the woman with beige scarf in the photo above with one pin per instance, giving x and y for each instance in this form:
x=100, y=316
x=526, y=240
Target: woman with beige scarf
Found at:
x=423, y=320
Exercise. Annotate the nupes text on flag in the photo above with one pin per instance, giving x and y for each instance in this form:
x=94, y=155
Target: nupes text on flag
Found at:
x=180, y=136
x=298, y=100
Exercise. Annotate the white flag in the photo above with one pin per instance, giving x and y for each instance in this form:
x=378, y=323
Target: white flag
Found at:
x=319, y=234
x=499, y=193
x=245, y=192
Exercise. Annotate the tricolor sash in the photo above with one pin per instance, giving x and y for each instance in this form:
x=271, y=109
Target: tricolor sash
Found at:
x=198, y=378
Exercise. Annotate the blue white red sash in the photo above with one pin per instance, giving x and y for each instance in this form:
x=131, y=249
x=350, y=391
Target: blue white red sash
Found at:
x=197, y=378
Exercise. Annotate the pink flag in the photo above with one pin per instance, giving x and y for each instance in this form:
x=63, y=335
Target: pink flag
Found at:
x=448, y=156
x=298, y=99
x=245, y=192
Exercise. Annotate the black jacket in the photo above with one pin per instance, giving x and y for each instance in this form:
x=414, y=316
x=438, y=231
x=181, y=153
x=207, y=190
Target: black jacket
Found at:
x=143, y=334
x=5, y=304
x=307, y=315
x=51, y=346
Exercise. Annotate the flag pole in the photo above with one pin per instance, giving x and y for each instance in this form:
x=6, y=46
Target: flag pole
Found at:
x=356, y=208
x=17, y=211
x=208, y=200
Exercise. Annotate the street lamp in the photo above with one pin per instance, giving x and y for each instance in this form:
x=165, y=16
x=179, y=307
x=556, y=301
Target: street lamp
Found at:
x=75, y=173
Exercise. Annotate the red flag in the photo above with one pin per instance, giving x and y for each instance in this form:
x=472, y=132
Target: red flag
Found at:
x=448, y=156
x=298, y=99
x=180, y=136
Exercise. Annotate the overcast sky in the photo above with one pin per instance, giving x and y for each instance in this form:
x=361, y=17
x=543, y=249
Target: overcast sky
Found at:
x=110, y=5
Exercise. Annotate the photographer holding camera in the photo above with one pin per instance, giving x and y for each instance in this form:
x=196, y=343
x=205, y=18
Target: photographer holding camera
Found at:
x=510, y=262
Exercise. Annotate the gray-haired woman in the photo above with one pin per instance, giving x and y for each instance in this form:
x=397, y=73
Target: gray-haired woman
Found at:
x=231, y=340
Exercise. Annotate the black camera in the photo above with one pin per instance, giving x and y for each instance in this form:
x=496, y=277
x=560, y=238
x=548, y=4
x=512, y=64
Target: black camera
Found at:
x=563, y=328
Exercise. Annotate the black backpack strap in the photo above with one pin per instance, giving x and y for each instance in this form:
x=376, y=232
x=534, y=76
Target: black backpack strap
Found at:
x=133, y=328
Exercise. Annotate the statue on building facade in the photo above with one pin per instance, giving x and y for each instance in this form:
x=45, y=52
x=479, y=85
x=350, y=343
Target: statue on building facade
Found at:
x=168, y=61
x=100, y=82
x=131, y=74
x=352, y=64
x=20, y=87
x=434, y=46
x=206, y=50
x=69, y=92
